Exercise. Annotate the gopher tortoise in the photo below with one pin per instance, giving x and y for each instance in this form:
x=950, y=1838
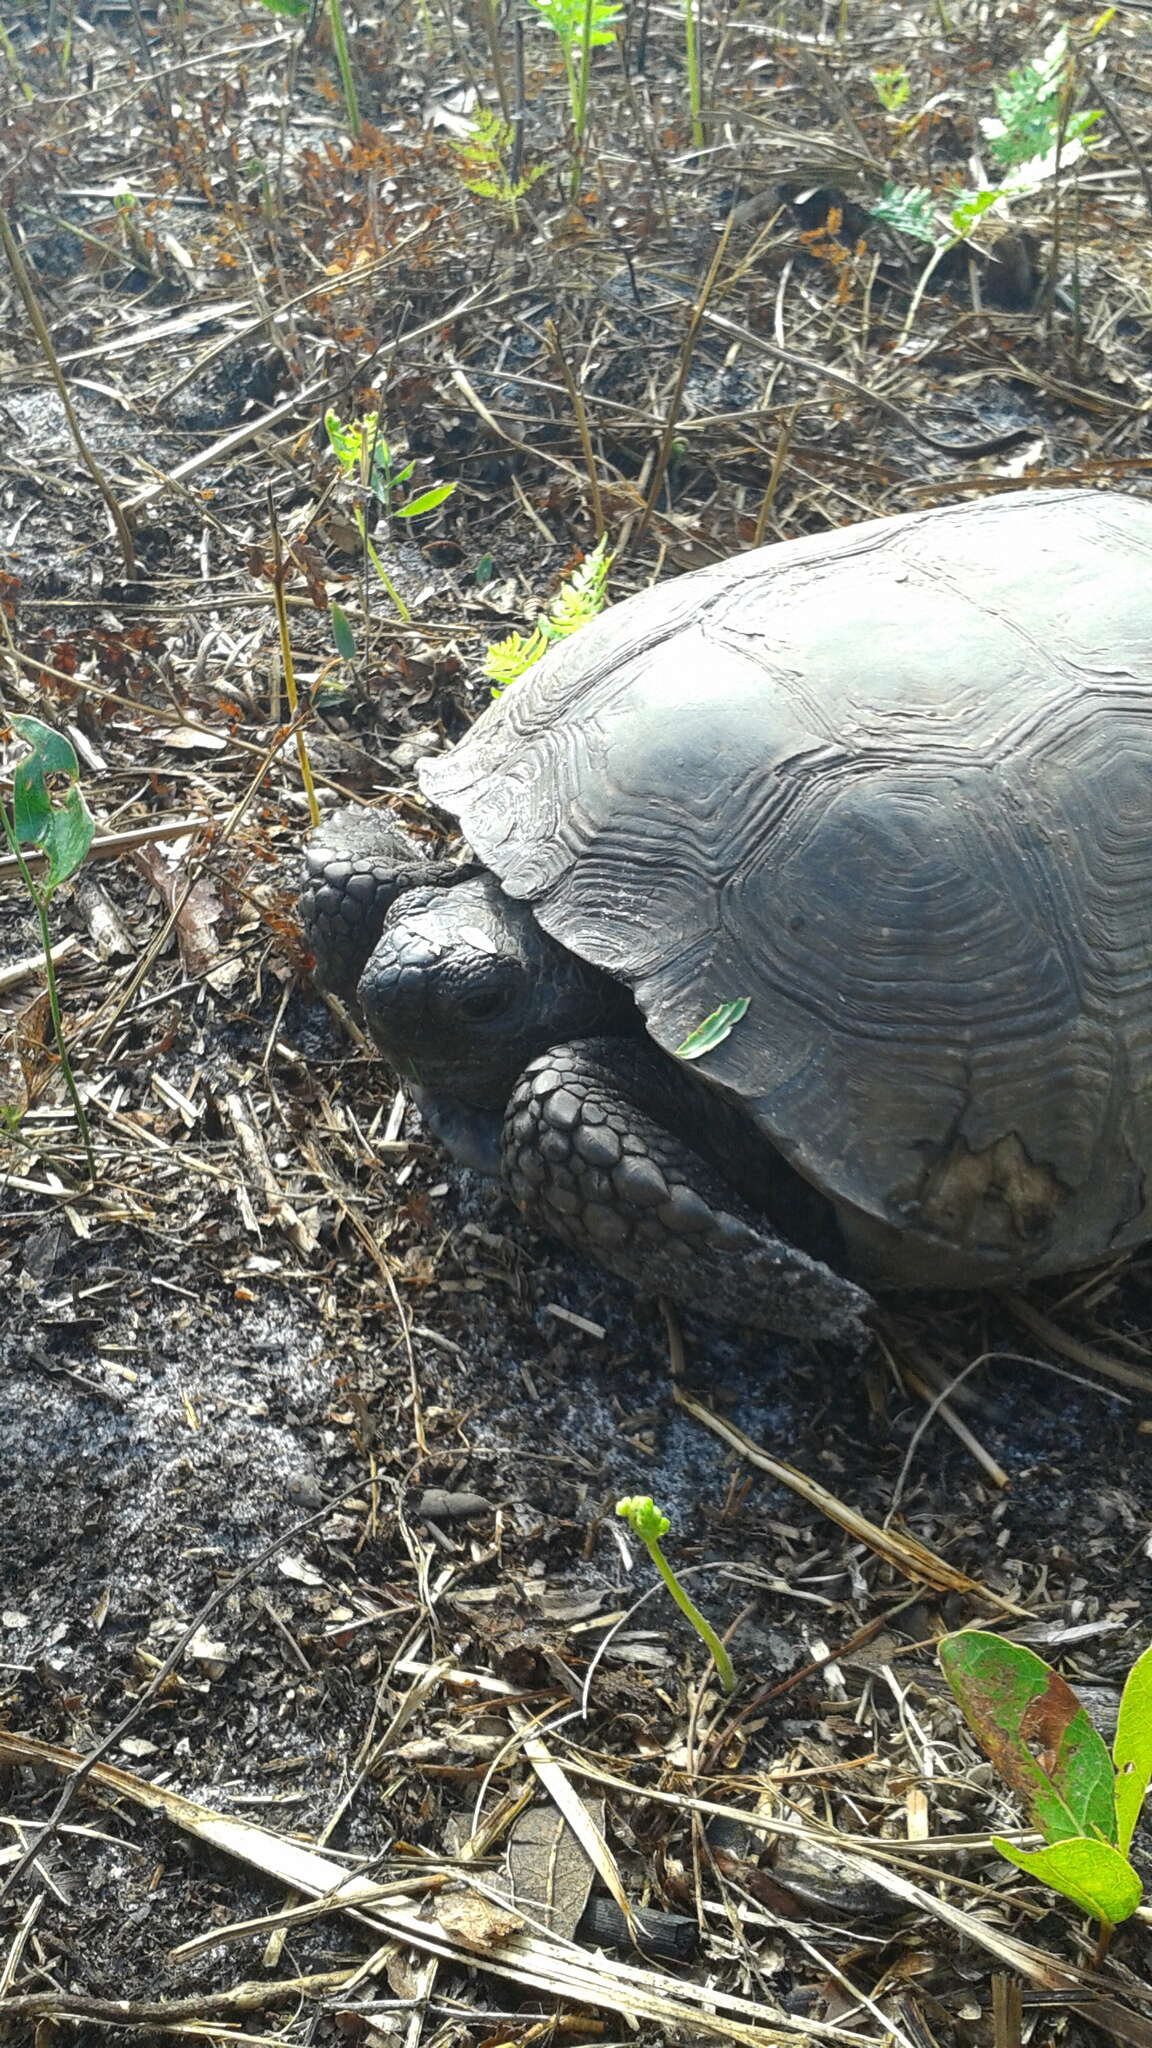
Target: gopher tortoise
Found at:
x=892, y=786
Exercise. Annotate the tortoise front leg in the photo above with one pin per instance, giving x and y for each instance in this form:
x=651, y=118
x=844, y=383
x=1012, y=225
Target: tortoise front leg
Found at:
x=585, y=1160
x=356, y=863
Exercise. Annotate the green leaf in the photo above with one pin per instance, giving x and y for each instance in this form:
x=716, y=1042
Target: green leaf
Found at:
x=891, y=87
x=342, y=634
x=908, y=208
x=1094, y=1875
x=1132, y=1749
x=63, y=829
x=344, y=441
x=566, y=19
x=1036, y=1732
x=714, y=1030
x=294, y=9
x=426, y=502
x=970, y=207
x=578, y=600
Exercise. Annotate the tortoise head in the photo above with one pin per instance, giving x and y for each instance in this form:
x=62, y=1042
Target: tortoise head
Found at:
x=464, y=988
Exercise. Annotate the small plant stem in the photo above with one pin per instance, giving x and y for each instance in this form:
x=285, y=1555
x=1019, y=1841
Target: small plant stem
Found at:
x=40, y=903
x=516, y=118
x=40, y=328
x=691, y=1612
x=580, y=414
x=492, y=31
x=579, y=90
x=573, y=97
x=344, y=66
x=779, y=458
x=9, y=56
x=692, y=58
x=287, y=663
x=381, y=571
x=699, y=308
x=1104, y=1933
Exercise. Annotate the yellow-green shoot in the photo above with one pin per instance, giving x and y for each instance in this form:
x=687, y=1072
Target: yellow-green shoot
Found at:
x=647, y=1522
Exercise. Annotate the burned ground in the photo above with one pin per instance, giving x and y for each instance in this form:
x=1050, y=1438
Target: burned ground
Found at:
x=309, y=1448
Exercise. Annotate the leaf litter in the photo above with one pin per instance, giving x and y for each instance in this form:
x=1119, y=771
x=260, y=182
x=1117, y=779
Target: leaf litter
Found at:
x=243, y=1372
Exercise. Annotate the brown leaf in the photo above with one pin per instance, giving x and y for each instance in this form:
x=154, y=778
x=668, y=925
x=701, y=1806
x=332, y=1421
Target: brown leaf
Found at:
x=478, y=1922
x=548, y=1872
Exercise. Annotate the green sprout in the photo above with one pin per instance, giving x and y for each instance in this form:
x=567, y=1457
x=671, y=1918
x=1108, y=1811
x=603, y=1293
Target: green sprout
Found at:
x=60, y=826
x=339, y=34
x=363, y=453
x=1031, y=134
x=646, y=1521
x=1030, y=107
x=577, y=601
x=485, y=155
x=891, y=86
x=580, y=26
x=1038, y=1735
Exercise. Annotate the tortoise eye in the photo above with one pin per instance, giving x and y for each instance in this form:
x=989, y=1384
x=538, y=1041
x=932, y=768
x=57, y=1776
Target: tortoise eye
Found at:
x=483, y=1004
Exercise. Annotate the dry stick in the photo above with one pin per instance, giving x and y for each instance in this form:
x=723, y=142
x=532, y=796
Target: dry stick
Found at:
x=991, y=444
x=32, y=307
x=779, y=458
x=287, y=664
x=1071, y=1347
x=576, y=401
x=167, y=2013
x=111, y=844
x=911, y=1558
x=516, y=153
x=492, y=31
x=699, y=305
x=1126, y=137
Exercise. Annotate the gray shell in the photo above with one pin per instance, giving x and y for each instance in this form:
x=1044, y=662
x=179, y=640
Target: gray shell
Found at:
x=894, y=784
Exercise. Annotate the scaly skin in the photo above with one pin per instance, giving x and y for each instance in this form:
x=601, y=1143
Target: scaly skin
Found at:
x=529, y=1063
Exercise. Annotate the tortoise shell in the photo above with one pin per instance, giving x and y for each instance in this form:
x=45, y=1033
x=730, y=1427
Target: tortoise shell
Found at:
x=894, y=785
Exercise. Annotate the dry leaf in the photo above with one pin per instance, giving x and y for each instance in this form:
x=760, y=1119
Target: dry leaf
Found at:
x=471, y=1918
x=549, y=1874
x=190, y=739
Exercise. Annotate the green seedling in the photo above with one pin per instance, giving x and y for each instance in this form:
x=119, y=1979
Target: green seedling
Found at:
x=8, y=53
x=578, y=600
x=1030, y=110
x=484, y=159
x=295, y=10
x=580, y=26
x=364, y=455
x=1032, y=134
x=1038, y=1735
x=646, y=1521
x=891, y=87
x=692, y=66
x=58, y=824
x=339, y=35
